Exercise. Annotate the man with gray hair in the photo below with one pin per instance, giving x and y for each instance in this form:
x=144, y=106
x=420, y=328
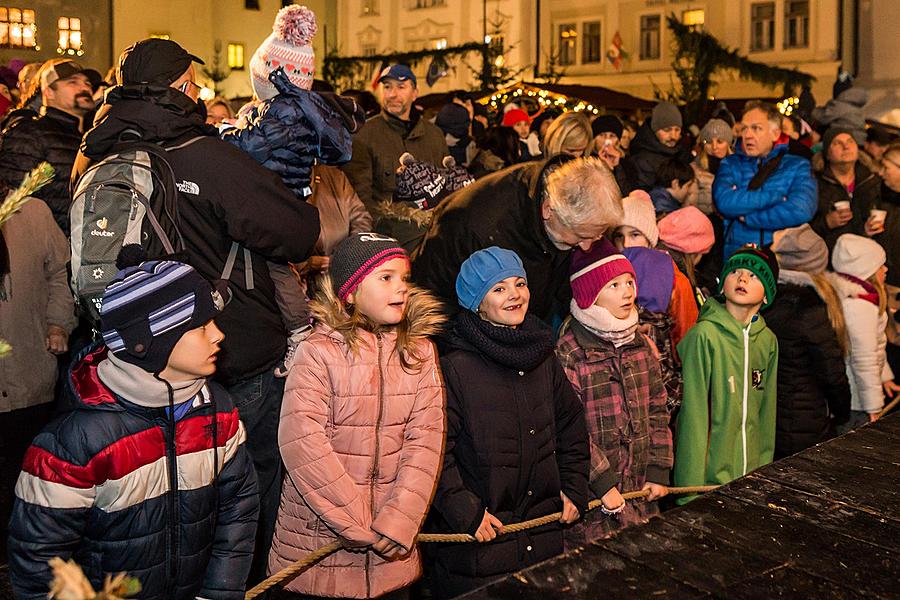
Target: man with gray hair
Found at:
x=539, y=210
x=762, y=188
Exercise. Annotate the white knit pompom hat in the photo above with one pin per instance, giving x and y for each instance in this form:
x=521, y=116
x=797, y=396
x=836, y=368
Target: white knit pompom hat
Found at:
x=288, y=47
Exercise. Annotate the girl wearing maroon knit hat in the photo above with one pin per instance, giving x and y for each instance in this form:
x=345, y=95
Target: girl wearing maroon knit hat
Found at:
x=617, y=377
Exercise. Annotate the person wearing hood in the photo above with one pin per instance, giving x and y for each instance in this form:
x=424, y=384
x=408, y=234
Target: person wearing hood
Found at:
x=726, y=425
x=454, y=120
x=762, y=188
x=656, y=141
x=399, y=128
x=808, y=320
x=517, y=444
x=362, y=427
x=845, y=110
x=860, y=265
x=224, y=197
x=617, y=377
x=149, y=475
x=848, y=191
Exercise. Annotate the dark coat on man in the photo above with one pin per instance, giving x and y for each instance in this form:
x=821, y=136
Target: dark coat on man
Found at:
x=502, y=209
x=646, y=155
x=28, y=140
x=864, y=198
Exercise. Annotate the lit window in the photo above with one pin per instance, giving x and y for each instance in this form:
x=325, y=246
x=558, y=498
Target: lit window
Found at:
x=369, y=7
x=694, y=18
x=17, y=28
x=251, y=4
x=69, y=39
x=650, y=33
x=427, y=3
x=568, y=39
x=439, y=44
x=796, y=23
x=762, y=26
x=160, y=36
x=236, y=57
x=590, y=43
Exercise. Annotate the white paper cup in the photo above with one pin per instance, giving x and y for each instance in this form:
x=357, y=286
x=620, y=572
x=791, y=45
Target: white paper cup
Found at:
x=878, y=216
x=842, y=205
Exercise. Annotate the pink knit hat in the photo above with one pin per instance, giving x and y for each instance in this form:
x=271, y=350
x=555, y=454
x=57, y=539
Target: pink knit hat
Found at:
x=289, y=47
x=640, y=214
x=687, y=230
x=590, y=271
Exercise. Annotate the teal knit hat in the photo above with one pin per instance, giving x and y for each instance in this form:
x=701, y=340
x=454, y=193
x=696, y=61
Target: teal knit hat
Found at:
x=759, y=262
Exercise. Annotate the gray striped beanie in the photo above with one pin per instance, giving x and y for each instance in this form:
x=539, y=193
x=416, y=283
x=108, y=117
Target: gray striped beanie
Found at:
x=147, y=308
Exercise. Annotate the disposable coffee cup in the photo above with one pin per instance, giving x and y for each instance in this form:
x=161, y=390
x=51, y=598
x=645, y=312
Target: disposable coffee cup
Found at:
x=878, y=216
x=842, y=205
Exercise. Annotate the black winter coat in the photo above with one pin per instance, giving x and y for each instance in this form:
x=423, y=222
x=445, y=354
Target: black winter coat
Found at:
x=812, y=380
x=28, y=140
x=224, y=196
x=502, y=209
x=515, y=439
x=890, y=238
x=866, y=196
x=646, y=156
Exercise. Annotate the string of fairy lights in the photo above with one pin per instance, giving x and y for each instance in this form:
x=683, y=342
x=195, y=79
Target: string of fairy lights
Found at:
x=544, y=99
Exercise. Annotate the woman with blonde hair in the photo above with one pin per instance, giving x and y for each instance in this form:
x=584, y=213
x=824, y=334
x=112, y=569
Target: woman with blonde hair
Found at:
x=808, y=320
x=570, y=134
x=713, y=144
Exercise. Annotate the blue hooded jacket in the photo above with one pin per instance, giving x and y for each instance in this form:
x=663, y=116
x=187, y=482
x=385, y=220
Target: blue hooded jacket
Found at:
x=296, y=129
x=787, y=198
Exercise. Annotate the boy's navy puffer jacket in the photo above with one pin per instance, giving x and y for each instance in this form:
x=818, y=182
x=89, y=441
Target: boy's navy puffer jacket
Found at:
x=292, y=131
x=123, y=488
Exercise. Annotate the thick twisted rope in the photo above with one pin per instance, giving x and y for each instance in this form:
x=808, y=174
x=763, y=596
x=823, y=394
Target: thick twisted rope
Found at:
x=287, y=574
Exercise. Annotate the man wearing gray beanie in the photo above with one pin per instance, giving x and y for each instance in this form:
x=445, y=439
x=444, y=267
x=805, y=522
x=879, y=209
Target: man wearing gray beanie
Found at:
x=656, y=142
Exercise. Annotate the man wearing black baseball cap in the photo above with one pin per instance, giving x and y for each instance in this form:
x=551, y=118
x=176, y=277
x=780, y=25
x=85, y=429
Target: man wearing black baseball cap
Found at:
x=224, y=196
x=383, y=139
x=54, y=135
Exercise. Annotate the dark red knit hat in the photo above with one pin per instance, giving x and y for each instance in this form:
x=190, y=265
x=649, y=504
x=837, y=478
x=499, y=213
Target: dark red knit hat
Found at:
x=590, y=271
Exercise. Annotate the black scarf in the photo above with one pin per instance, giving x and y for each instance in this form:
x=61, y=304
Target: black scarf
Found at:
x=522, y=348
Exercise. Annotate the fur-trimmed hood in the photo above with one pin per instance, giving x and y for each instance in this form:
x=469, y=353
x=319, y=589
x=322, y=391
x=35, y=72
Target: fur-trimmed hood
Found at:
x=404, y=211
x=424, y=312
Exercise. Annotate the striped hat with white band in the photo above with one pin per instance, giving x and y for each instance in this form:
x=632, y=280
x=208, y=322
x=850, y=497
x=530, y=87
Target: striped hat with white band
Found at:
x=590, y=271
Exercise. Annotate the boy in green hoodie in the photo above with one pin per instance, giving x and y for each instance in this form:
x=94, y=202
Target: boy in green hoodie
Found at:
x=726, y=426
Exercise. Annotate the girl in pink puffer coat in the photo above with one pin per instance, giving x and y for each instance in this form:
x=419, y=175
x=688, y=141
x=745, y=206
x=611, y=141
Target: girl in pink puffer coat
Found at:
x=362, y=427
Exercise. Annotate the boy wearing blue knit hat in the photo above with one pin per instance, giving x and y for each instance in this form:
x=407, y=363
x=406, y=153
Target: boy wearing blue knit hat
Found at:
x=149, y=474
x=517, y=443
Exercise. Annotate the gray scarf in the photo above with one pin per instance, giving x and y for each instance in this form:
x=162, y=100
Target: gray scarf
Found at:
x=142, y=388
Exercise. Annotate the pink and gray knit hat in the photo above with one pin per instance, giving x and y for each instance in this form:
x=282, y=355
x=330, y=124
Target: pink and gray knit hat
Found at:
x=590, y=271
x=357, y=256
x=289, y=46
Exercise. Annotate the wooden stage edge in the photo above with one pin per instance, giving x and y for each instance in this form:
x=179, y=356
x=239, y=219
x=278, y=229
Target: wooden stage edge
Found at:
x=824, y=523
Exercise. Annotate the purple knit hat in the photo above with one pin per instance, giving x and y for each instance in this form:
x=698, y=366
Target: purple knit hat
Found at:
x=655, y=277
x=590, y=271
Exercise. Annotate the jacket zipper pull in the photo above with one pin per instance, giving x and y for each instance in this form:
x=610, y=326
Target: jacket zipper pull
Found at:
x=134, y=205
x=94, y=198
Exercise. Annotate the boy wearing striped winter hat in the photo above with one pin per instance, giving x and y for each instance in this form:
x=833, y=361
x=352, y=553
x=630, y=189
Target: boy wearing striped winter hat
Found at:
x=726, y=426
x=149, y=472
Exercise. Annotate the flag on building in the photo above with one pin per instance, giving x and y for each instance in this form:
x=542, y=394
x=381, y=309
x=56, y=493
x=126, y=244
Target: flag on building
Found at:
x=616, y=54
x=436, y=70
x=376, y=75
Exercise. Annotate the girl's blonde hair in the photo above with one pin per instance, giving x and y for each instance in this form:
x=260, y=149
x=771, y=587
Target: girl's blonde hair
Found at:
x=882, y=293
x=703, y=157
x=422, y=318
x=835, y=310
x=569, y=129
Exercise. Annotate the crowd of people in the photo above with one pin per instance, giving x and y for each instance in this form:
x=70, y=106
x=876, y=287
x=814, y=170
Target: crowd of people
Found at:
x=238, y=336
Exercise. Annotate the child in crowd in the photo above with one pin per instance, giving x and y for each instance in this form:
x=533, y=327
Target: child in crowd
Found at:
x=860, y=265
x=726, y=425
x=687, y=235
x=362, y=426
x=655, y=274
x=517, y=446
x=149, y=474
x=529, y=143
x=808, y=320
x=617, y=377
x=675, y=186
x=288, y=130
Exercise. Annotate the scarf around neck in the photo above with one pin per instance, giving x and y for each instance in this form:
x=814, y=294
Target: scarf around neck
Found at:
x=523, y=348
x=140, y=387
x=604, y=325
x=870, y=293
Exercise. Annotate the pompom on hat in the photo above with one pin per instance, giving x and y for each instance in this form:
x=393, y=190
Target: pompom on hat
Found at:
x=289, y=46
x=424, y=184
x=590, y=271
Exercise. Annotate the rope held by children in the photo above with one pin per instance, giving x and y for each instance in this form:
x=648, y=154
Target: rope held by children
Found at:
x=287, y=574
